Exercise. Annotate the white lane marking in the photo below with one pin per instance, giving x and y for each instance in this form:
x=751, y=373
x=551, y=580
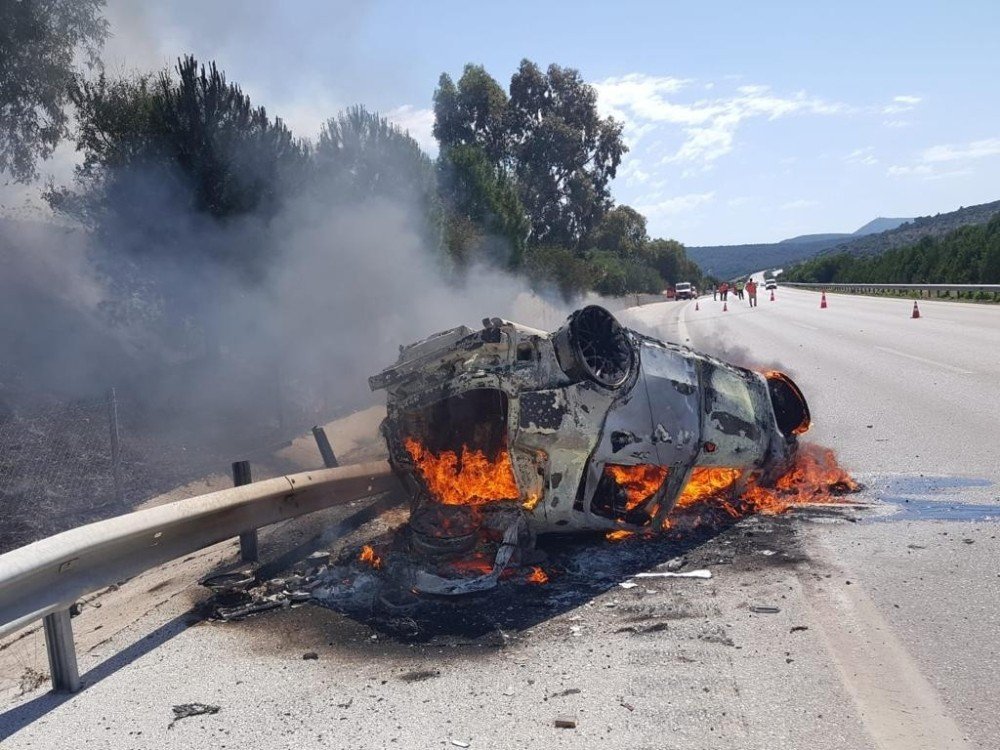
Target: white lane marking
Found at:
x=803, y=325
x=899, y=706
x=927, y=361
x=682, y=329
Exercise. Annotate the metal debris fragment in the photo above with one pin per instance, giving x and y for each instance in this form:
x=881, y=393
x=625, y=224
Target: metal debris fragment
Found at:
x=671, y=574
x=187, y=710
x=565, y=721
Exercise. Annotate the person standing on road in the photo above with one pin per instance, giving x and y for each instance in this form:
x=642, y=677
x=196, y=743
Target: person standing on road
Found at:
x=724, y=290
x=751, y=288
x=715, y=292
x=739, y=289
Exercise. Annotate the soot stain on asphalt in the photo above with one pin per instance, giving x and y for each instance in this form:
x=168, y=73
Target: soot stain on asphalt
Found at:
x=580, y=568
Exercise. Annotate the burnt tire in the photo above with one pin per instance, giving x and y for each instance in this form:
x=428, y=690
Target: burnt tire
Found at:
x=594, y=346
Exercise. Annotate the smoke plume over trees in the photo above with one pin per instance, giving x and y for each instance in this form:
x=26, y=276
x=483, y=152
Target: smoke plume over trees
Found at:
x=211, y=240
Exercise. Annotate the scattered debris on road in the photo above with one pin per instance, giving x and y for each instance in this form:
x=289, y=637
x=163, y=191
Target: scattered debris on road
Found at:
x=187, y=710
x=420, y=675
x=31, y=680
x=565, y=721
x=564, y=693
x=670, y=574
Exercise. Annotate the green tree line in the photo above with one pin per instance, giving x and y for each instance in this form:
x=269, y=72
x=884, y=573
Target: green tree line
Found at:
x=531, y=165
x=969, y=255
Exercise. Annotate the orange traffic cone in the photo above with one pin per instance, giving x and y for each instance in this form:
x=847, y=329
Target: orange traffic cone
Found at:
x=916, y=310
x=772, y=295
x=725, y=307
x=822, y=302
x=696, y=308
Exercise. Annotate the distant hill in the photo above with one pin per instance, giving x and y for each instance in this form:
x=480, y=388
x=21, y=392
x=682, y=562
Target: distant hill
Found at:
x=877, y=236
x=916, y=229
x=881, y=224
x=968, y=254
x=729, y=261
x=817, y=237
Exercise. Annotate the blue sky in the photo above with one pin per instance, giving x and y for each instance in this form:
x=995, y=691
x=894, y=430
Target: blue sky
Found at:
x=747, y=121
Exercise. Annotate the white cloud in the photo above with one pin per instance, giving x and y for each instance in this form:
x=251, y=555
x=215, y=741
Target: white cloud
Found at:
x=632, y=173
x=927, y=172
x=864, y=156
x=897, y=123
x=643, y=97
x=419, y=123
x=709, y=125
x=901, y=103
x=658, y=208
x=798, y=204
x=901, y=170
x=947, y=160
x=966, y=152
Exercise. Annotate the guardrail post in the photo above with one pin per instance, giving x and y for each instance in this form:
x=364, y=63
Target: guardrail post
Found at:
x=248, y=539
x=62, y=652
x=116, y=457
x=325, y=449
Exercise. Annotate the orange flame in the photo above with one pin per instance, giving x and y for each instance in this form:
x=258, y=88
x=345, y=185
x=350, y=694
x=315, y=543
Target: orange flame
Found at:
x=530, y=503
x=706, y=482
x=815, y=477
x=639, y=482
x=368, y=556
x=477, y=564
x=618, y=535
x=467, y=477
x=537, y=575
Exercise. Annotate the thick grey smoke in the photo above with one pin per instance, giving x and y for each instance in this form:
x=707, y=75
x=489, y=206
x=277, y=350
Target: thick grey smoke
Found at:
x=346, y=284
x=53, y=339
x=346, y=281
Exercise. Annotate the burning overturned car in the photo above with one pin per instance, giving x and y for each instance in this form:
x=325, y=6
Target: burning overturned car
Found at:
x=508, y=432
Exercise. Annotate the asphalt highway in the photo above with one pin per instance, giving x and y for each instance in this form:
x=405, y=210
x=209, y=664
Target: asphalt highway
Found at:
x=890, y=393
x=862, y=628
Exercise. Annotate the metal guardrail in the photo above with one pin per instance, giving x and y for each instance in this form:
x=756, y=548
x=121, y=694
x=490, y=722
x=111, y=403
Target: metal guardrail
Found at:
x=994, y=288
x=44, y=579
